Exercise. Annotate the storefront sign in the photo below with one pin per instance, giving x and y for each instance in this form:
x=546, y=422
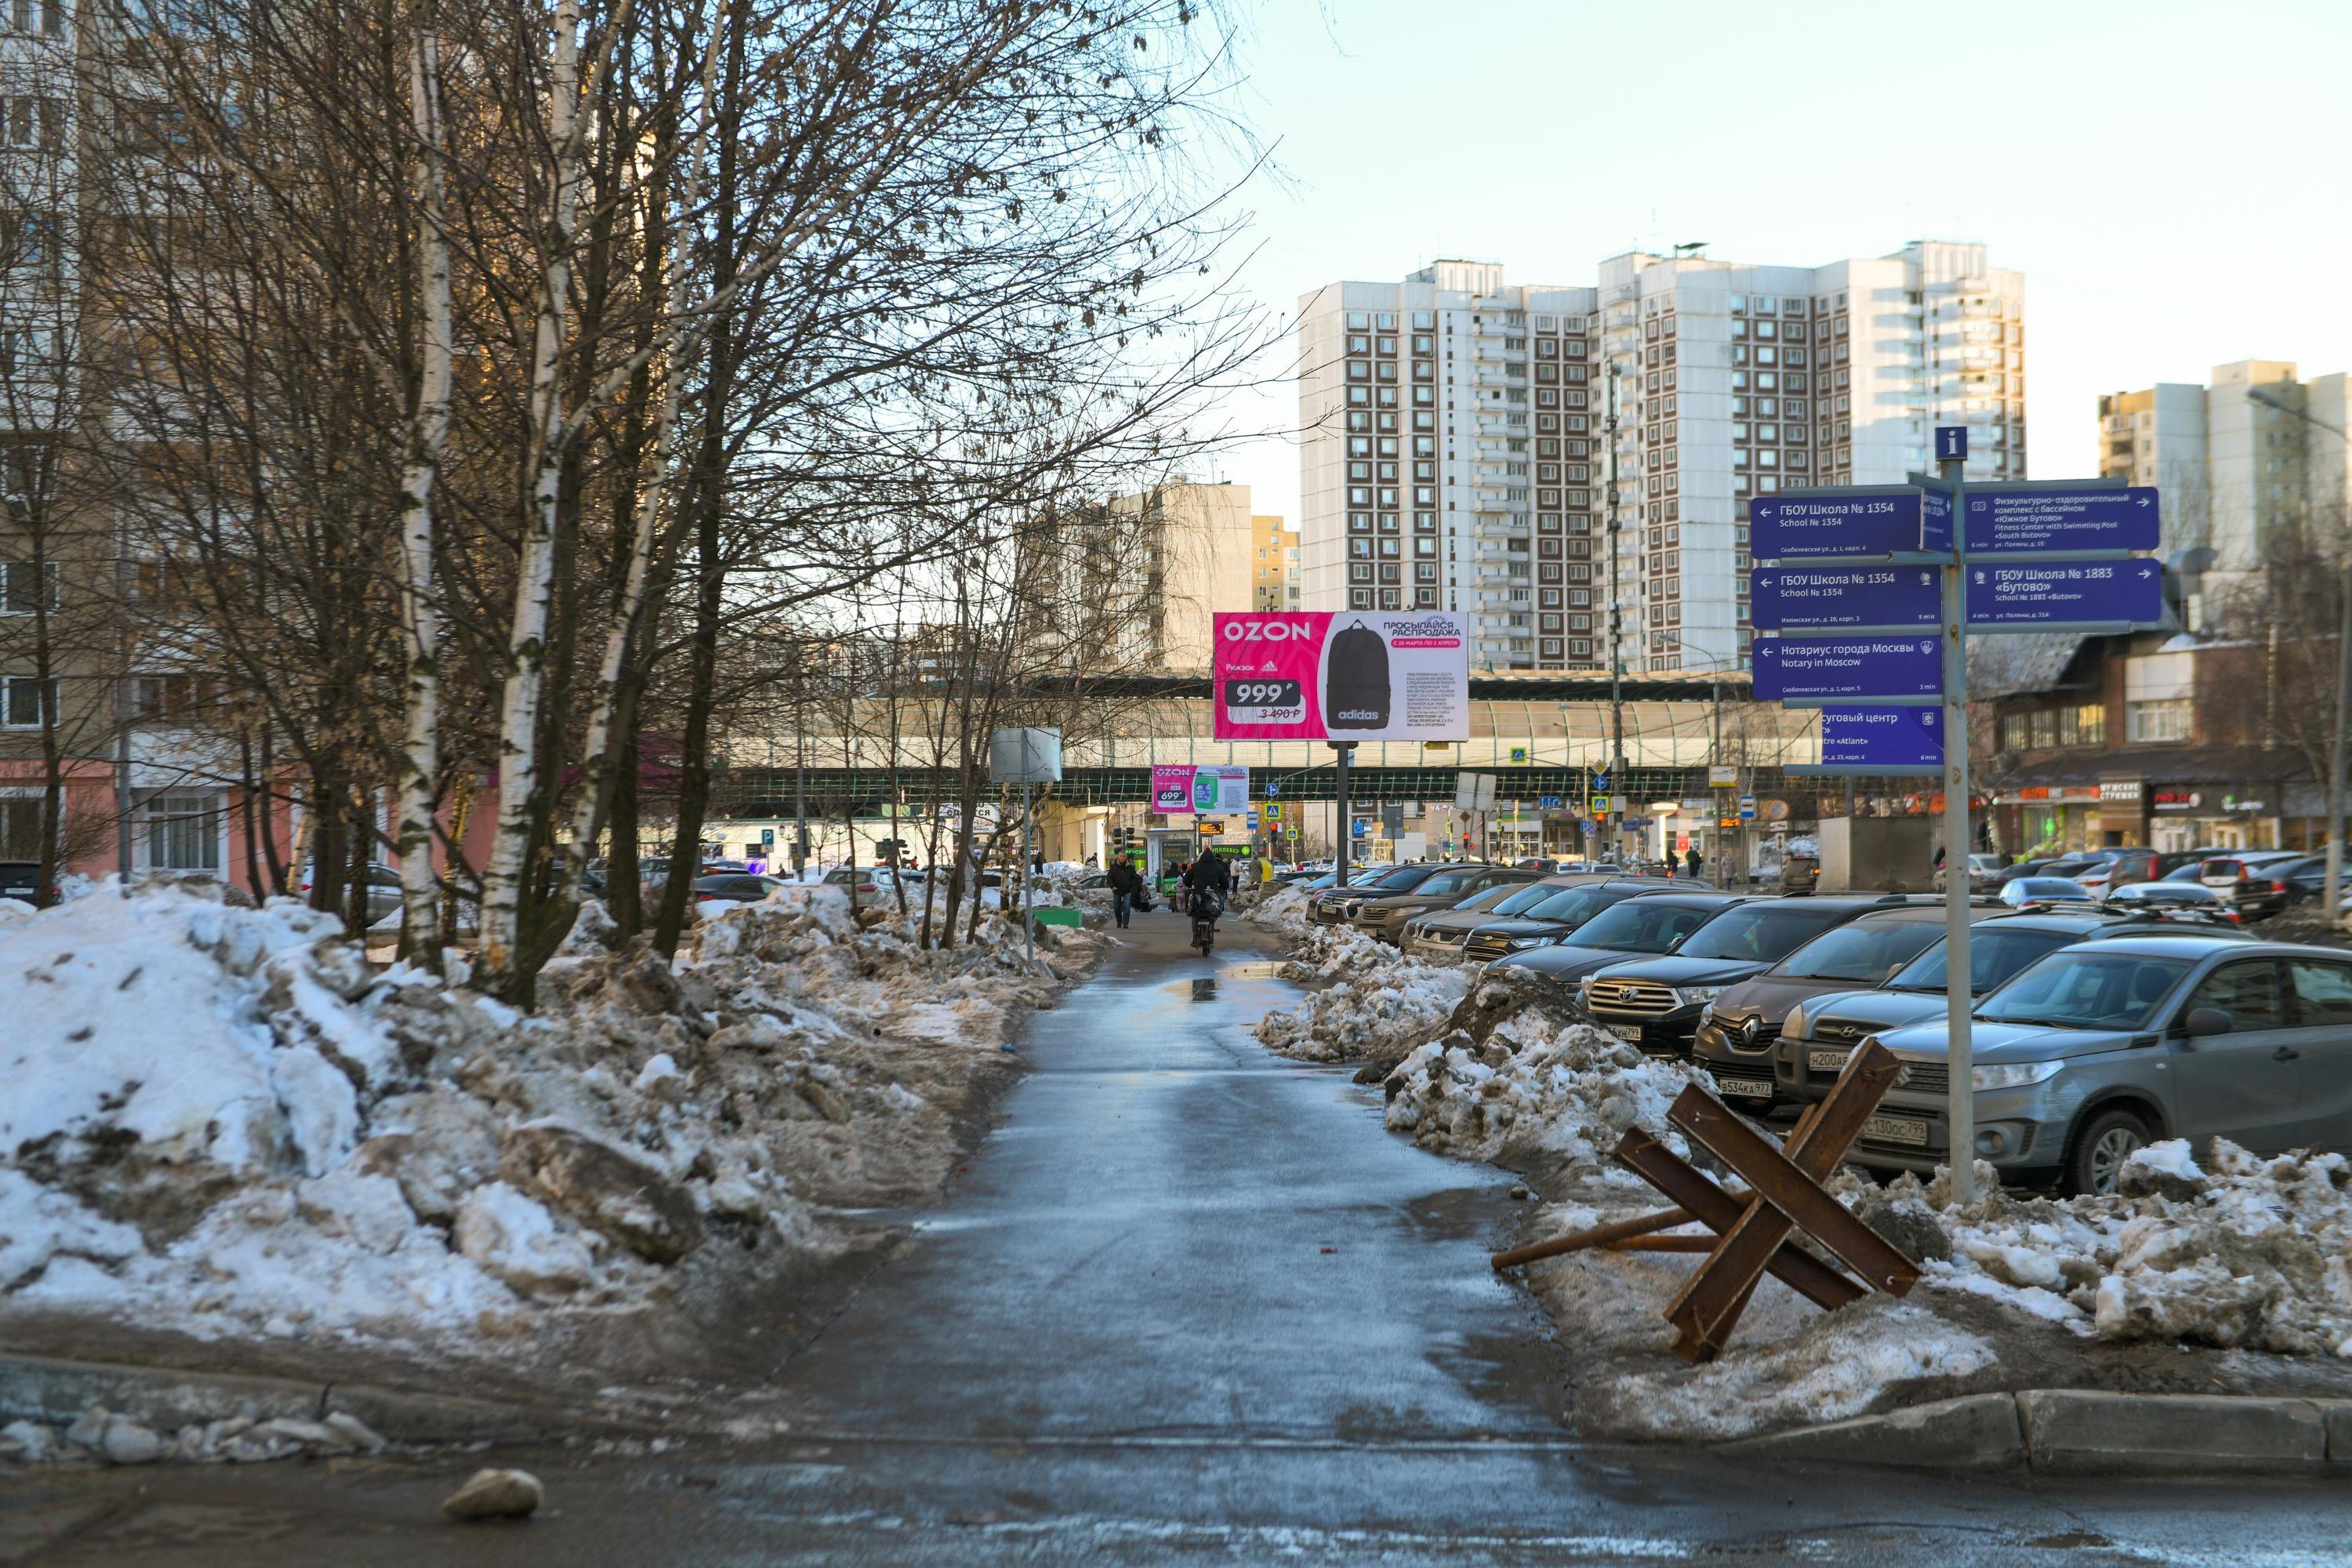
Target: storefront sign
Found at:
x=1318, y=675
x=2178, y=799
x=2120, y=791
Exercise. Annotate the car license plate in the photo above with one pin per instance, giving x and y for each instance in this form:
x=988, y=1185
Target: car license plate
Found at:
x=1627, y=1032
x=1826, y=1061
x=1896, y=1129
x=1751, y=1088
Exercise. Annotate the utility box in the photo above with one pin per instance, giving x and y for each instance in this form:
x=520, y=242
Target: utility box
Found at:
x=1879, y=854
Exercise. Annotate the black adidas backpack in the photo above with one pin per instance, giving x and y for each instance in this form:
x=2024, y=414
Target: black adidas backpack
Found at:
x=1356, y=680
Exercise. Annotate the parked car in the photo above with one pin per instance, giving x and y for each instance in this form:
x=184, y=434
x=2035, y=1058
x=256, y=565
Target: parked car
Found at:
x=1640, y=925
x=1440, y=933
x=865, y=884
x=1800, y=873
x=382, y=889
x=1737, y=1033
x=1655, y=1003
x=2133, y=867
x=1563, y=910
x=746, y=888
x=22, y=879
x=1338, y=905
x=2031, y=867
x=2254, y=881
x=1383, y=918
x=1821, y=1032
x=2045, y=890
x=2178, y=898
x=2085, y=1057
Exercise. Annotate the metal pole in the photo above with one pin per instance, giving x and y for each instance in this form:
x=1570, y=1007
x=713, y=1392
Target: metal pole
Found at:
x=1959, y=996
x=800, y=777
x=1339, y=790
x=1028, y=859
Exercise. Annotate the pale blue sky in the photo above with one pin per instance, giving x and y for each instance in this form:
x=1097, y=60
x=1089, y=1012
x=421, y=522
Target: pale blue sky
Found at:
x=2171, y=178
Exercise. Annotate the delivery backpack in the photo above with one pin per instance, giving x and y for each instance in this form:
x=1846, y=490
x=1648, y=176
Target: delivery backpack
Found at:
x=1356, y=680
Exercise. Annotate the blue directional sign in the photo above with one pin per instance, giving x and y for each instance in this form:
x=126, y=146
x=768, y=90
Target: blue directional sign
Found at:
x=2058, y=592
x=1848, y=667
x=1877, y=520
x=1934, y=521
x=1951, y=443
x=1547, y=803
x=2019, y=521
x=1864, y=739
x=1828, y=598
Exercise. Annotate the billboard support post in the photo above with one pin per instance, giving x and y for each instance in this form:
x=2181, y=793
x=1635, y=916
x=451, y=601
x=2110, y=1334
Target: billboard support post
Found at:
x=1344, y=750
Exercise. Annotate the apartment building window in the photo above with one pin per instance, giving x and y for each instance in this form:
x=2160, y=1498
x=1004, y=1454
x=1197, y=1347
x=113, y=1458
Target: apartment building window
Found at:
x=21, y=704
x=2160, y=719
x=182, y=832
x=49, y=16
x=31, y=121
x=21, y=587
x=170, y=695
x=2083, y=726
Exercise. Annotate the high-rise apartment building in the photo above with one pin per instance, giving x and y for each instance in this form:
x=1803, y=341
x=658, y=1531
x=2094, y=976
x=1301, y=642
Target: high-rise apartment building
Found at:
x=2236, y=472
x=1274, y=566
x=1458, y=434
x=1184, y=551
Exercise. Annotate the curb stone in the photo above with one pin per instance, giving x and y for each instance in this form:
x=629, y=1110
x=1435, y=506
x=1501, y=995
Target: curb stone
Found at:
x=2083, y=1432
x=55, y=1391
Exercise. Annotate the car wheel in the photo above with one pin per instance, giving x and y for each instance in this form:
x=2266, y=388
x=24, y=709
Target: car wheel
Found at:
x=2104, y=1142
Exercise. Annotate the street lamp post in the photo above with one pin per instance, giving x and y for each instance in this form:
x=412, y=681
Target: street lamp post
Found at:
x=2333, y=887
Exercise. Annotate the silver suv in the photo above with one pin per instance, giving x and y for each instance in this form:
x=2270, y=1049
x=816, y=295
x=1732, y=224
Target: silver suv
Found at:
x=2097, y=1049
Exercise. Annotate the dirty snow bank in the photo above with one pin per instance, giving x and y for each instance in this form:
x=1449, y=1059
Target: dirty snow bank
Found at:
x=2235, y=1252
x=1373, y=1001
x=1282, y=911
x=224, y=1122
x=1514, y=1073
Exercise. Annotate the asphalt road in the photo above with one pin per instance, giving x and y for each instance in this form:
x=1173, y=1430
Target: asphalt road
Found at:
x=1191, y=1305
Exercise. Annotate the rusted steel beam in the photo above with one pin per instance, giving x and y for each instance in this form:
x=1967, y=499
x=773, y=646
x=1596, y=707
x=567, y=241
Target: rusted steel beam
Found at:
x=1599, y=1235
x=1807, y=1275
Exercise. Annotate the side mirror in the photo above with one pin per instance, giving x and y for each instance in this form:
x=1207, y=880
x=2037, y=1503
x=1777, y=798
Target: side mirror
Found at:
x=2203, y=1021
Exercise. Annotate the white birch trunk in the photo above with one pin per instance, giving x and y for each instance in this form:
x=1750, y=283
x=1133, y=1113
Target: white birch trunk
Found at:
x=588, y=809
x=526, y=672
x=420, y=758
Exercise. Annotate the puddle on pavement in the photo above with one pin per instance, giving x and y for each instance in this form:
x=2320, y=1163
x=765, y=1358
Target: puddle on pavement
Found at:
x=1205, y=991
x=1260, y=971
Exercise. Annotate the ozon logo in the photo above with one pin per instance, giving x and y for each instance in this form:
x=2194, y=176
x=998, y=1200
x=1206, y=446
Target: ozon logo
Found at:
x=1268, y=631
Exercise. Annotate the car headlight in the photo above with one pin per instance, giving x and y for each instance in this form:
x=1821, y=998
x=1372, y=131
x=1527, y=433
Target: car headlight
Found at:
x=2012, y=1075
x=1794, y=1024
x=1584, y=989
x=1692, y=995
x=1518, y=942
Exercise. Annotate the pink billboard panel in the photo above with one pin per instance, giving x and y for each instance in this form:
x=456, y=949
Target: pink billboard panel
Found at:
x=1350, y=675
x=1172, y=786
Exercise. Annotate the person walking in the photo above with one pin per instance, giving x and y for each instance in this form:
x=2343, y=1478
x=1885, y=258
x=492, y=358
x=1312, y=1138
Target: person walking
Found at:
x=1124, y=886
x=1690, y=862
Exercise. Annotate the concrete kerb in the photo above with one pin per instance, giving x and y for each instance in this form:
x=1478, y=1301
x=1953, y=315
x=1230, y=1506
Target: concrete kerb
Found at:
x=54, y=1391
x=2083, y=1432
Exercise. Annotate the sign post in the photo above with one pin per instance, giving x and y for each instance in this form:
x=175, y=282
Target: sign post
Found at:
x=1959, y=995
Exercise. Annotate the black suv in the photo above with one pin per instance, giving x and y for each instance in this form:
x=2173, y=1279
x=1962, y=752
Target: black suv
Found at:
x=1336, y=906
x=1735, y=1034
x=1640, y=925
x=1561, y=912
x=1656, y=1002
x=1820, y=1033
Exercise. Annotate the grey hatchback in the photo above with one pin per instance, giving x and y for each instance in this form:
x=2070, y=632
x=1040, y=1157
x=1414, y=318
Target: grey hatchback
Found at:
x=2098, y=1049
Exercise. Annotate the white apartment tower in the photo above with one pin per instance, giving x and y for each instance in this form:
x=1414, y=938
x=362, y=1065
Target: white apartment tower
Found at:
x=2242, y=463
x=1457, y=452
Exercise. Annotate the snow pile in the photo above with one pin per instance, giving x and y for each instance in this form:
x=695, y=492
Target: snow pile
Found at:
x=2239, y=1252
x=225, y=1121
x=1515, y=1071
x=1374, y=1002
x=1282, y=911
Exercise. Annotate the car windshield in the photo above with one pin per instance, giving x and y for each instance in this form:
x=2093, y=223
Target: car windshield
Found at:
x=1574, y=906
x=1447, y=882
x=1993, y=957
x=1511, y=898
x=746, y=888
x=1863, y=950
x=2087, y=991
x=1639, y=925
x=1396, y=879
x=2051, y=887
x=1764, y=932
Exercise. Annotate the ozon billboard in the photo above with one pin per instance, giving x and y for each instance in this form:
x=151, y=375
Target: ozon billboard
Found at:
x=1341, y=675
